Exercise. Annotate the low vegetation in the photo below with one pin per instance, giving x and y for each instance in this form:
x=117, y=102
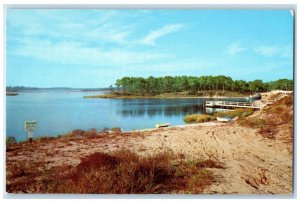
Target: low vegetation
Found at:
x=198, y=118
x=272, y=118
x=75, y=134
x=241, y=113
x=10, y=141
x=120, y=172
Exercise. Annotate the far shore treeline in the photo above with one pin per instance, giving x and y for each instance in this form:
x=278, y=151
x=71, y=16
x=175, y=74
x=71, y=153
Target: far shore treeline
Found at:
x=23, y=88
x=191, y=84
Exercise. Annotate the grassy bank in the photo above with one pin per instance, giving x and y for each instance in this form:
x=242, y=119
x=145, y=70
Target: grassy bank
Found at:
x=273, y=119
x=200, y=118
x=208, y=94
x=241, y=113
x=74, y=134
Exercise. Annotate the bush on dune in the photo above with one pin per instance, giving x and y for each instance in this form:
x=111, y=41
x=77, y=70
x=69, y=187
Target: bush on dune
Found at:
x=125, y=172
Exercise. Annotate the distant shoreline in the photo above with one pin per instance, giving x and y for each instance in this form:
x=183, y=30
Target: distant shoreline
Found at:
x=11, y=94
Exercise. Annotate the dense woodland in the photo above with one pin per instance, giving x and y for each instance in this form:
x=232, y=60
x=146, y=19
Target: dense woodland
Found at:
x=194, y=85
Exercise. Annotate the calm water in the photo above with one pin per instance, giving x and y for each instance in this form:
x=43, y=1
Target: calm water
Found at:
x=58, y=112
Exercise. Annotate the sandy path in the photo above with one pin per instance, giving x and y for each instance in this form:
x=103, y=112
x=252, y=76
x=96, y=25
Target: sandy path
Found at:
x=253, y=164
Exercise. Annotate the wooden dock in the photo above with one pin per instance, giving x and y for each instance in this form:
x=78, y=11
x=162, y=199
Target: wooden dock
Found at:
x=275, y=96
x=231, y=104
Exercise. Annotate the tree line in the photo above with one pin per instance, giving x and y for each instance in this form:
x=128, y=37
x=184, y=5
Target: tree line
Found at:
x=171, y=84
x=19, y=88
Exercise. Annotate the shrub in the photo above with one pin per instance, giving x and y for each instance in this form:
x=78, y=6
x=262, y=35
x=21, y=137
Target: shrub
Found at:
x=68, y=135
x=209, y=164
x=10, y=140
x=116, y=130
x=124, y=172
x=289, y=100
x=18, y=169
x=200, y=180
x=104, y=130
x=267, y=132
x=286, y=117
x=44, y=139
x=277, y=108
x=90, y=133
x=253, y=123
x=198, y=118
x=121, y=173
x=77, y=132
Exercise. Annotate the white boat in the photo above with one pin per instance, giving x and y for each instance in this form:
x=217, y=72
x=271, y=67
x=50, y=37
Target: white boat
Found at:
x=254, y=97
x=226, y=119
x=161, y=125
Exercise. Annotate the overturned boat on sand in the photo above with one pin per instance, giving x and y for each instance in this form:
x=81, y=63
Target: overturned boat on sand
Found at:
x=226, y=118
x=161, y=125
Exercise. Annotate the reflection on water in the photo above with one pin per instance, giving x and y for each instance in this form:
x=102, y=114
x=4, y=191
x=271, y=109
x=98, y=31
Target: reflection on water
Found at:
x=165, y=107
x=161, y=107
x=164, y=110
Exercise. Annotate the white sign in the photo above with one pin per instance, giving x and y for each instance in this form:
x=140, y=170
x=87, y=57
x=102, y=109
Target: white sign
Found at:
x=30, y=126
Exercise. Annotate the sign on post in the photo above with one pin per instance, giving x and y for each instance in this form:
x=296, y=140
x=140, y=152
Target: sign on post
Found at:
x=30, y=126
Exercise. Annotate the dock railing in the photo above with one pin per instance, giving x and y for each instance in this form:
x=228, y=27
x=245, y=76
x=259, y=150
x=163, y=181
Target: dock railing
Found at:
x=232, y=104
x=254, y=105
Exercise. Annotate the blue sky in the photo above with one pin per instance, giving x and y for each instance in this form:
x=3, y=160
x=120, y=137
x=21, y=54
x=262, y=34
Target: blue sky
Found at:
x=93, y=48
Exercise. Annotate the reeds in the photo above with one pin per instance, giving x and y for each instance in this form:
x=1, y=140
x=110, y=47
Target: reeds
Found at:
x=198, y=118
x=241, y=113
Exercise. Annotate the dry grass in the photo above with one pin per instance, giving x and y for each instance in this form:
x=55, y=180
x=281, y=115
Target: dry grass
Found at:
x=273, y=118
x=121, y=172
x=116, y=130
x=241, y=113
x=72, y=135
x=210, y=164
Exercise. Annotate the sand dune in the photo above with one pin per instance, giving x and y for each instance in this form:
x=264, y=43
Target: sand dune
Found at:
x=253, y=165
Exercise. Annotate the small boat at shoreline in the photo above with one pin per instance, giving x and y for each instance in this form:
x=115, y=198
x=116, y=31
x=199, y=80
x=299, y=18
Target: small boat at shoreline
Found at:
x=162, y=125
x=255, y=96
x=226, y=119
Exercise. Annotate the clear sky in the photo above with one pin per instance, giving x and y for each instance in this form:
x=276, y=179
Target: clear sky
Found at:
x=93, y=48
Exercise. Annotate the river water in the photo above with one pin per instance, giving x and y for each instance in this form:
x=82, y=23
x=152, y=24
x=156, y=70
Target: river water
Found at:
x=58, y=112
